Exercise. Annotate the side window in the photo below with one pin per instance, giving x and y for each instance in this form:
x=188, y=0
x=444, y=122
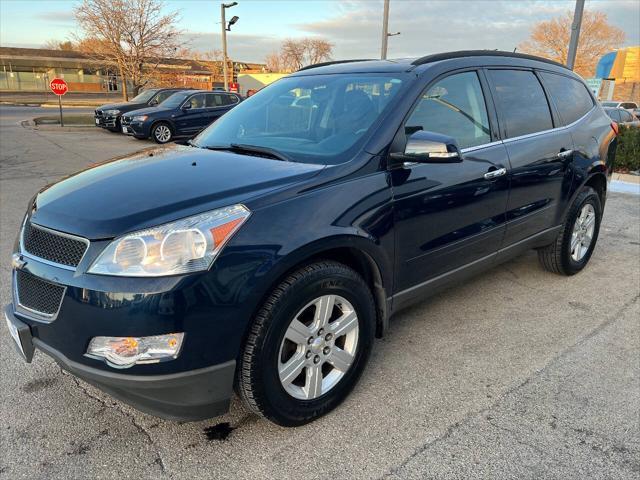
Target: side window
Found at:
x=214, y=100
x=455, y=107
x=570, y=96
x=197, y=101
x=230, y=99
x=625, y=116
x=522, y=102
x=615, y=115
x=162, y=96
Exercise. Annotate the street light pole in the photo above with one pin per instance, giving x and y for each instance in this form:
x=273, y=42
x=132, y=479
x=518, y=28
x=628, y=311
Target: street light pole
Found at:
x=575, y=34
x=225, y=27
x=385, y=30
x=224, y=46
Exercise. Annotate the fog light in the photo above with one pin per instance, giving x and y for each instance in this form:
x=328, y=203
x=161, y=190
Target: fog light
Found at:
x=125, y=352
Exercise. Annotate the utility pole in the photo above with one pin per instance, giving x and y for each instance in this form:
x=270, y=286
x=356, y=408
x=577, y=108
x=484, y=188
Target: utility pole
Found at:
x=385, y=30
x=575, y=34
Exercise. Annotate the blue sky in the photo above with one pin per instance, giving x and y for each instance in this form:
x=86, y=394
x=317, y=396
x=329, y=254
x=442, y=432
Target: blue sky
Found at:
x=353, y=26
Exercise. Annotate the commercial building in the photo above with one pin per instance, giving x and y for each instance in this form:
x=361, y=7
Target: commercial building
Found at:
x=31, y=70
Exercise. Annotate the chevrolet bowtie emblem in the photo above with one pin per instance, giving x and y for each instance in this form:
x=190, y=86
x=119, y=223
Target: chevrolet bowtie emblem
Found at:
x=17, y=261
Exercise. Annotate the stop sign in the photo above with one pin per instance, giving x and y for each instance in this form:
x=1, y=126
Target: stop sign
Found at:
x=58, y=86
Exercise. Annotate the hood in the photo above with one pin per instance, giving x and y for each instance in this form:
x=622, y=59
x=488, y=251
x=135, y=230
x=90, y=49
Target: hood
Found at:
x=123, y=107
x=156, y=186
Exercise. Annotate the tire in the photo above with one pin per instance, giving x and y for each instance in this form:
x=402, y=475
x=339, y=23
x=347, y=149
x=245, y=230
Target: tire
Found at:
x=299, y=400
x=561, y=256
x=162, y=132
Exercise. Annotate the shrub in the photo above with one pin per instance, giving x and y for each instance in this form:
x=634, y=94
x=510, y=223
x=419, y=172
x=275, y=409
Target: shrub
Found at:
x=628, y=152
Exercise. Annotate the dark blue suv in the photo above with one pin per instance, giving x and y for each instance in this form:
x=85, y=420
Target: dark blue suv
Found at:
x=183, y=114
x=267, y=253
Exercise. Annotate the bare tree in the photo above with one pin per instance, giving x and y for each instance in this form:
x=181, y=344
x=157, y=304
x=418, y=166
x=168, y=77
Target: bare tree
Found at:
x=297, y=53
x=318, y=50
x=131, y=35
x=60, y=45
x=550, y=39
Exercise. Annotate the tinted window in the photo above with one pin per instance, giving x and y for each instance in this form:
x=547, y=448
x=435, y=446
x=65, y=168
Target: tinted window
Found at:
x=522, y=102
x=629, y=105
x=455, y=107
x=214, y=100
x=570, y=96
x=197, y=101
x=231, y=99
x=144, y=96
x=613, y=114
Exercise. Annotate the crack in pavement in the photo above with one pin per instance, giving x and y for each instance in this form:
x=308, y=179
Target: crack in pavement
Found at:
x=471, y=415
x=158, y=460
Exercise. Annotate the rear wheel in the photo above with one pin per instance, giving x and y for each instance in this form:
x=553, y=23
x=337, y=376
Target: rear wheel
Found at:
x=161, y=132
x=308, y=345
x=574, y=245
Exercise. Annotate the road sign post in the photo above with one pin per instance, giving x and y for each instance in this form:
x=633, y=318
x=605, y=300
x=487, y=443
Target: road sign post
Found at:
x=59, y=87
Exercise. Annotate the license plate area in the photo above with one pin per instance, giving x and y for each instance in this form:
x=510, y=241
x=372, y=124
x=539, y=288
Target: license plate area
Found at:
x=21, y=335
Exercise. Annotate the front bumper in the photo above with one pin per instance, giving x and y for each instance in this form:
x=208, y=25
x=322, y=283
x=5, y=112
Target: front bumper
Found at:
x=191, y=395
x=106, y=121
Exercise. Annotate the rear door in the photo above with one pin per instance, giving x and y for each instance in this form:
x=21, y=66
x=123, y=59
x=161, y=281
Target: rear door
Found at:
x=217, y=105
x=451, y=214
x=540, y=153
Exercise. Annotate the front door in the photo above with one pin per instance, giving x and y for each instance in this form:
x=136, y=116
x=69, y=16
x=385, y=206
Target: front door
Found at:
x=450, y=215
x=194, y=118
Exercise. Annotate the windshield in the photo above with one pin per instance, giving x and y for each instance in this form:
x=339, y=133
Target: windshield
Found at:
x=144, y=97
x=175, y=100
x=315, y=119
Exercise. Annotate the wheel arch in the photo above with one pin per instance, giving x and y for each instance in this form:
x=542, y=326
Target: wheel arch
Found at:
x=155, y=122
x=358, y=253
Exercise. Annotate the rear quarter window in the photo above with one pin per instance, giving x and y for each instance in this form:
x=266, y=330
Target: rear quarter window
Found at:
x=570, y=96
x=522, y=102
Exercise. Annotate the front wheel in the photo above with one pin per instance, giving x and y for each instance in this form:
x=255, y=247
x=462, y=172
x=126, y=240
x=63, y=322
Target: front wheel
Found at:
x=308, y=344
x=161, y=132
x=573, y=247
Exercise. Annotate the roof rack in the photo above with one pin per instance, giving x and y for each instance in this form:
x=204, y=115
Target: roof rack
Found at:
x=481, y=53
x=334, y=62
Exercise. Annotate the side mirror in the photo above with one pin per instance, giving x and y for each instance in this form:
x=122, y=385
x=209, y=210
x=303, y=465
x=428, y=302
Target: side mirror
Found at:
x=153, y=103
x=429, y=147
x=186, y=106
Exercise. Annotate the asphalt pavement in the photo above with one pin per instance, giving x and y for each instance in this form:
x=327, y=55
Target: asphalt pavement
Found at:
x=518, y=373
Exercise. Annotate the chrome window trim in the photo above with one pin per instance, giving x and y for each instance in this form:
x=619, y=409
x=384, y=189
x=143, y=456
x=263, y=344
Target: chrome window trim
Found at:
x=29, y=312
x=26, y=254
x=479, y=147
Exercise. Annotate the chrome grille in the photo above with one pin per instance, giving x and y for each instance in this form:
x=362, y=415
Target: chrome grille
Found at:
x=38, y=295
x=53, y=246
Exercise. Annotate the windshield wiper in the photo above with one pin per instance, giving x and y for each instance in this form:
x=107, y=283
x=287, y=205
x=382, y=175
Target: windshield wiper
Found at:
x=253, y=150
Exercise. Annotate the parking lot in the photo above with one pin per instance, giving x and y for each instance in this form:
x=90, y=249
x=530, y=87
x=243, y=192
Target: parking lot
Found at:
x=518, y=373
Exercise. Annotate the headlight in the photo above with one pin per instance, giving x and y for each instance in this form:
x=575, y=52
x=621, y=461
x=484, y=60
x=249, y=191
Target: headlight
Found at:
x=139, y=118
x=184, y=246
x=112, y=112
x=125, y=352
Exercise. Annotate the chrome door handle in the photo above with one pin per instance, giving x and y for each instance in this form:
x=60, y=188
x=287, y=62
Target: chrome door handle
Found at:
x=565, y=153
x=495, y=173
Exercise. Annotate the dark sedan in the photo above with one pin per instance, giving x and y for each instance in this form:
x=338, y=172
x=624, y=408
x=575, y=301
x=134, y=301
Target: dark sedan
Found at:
x=184, y=114
x=108, y=116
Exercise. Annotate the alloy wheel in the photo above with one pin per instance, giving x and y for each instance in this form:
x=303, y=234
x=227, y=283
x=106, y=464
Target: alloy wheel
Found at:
x=162, y=133
x=582, y=234
x=319, y=347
